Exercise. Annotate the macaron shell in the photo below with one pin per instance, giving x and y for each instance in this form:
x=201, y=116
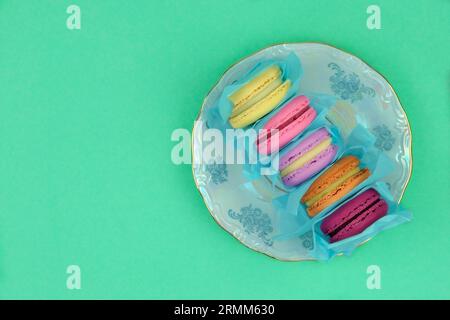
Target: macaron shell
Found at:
x=307, y=157
x=349, y=210
x=241, y=107
x=286, y=134
x=362, y=222
x=338, y=169
x=303, y=147
x=292, y=107
x=296, y=127
x=255, y=85
x=311, y=168
x=261, y=108
x=338, y=193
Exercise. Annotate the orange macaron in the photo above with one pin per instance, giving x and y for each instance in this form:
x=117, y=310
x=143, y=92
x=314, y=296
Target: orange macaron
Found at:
x=333, y=184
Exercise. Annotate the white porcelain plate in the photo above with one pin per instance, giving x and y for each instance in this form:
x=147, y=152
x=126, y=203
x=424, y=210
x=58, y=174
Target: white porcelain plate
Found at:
x=363, y=95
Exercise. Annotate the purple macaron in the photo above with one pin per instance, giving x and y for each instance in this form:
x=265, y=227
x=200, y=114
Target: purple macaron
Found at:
x=313, y=144
x=354, y=216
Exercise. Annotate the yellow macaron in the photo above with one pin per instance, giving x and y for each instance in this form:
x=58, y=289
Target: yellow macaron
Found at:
x=258, y=97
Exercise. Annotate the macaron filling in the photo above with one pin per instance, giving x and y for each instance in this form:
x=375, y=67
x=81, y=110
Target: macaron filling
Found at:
x=307, y=157
x=349, y=210
x=363, y=213
x=267, y=132
x=243, y=105
x=292, y=118
x=332, y=186
x=311, y=167
x=337, y=190
x=255, y=86
x=261, y=108
x=340, y=168
x=362, y=221
x=304, y=147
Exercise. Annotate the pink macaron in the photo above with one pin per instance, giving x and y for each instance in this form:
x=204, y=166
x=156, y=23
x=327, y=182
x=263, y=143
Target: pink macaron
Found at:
x=312, y=154
x=354, y=216
x=286, y=124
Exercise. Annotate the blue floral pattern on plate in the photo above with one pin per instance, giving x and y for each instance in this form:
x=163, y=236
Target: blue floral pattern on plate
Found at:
x=385, y=140
x=218, y=172
x=348, y=86
x=307, y=240
x=254, y=221
x=382, y=108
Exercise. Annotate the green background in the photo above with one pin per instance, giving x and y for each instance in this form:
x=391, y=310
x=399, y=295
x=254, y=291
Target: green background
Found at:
x=86, y=176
